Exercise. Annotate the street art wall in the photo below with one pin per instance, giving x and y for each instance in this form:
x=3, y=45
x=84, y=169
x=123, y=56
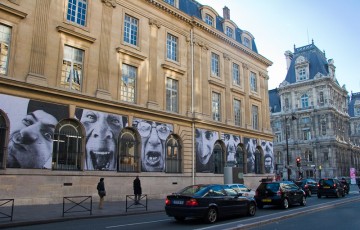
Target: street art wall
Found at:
x=250, y=146
x=231, y=142
x=267, y=147
x=32, y=126
x=204, y=145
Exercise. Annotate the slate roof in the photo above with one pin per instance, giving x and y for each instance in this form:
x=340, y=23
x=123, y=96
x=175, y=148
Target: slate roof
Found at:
x=354, y=97
x=192, y=8
x=274, y=100
x=316, y=58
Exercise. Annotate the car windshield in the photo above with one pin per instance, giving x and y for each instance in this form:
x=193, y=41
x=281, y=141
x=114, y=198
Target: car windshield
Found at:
x=194, y=189
x=274, y=187
x=326, y=182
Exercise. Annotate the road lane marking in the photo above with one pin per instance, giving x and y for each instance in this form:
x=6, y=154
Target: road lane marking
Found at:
x=148, y=222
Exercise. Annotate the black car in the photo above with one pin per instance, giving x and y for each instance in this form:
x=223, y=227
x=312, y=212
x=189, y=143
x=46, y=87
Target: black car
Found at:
x=345, y=185
x=308, y=185
x=209, y=202
x=330, y=187
x=283, y=193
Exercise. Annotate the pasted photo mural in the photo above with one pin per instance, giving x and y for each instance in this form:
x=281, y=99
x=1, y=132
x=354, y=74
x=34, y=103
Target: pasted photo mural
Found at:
x=32, y=126
x=250, y=146
x=102, y=133
x=231, y=142
x=153, y=137
x=204, y=145
x=267, y=147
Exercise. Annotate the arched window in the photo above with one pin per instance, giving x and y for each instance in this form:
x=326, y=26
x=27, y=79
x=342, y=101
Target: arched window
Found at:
x=128, y=152
x=67, y=147
x=239, y=158
x=258, y=165
x=2, y=140
x=173, y=155
x=219, y=161
x=304, y=101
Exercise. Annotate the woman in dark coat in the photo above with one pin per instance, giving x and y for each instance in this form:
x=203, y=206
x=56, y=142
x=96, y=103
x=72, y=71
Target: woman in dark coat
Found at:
x=101, y=191
x=137, y=189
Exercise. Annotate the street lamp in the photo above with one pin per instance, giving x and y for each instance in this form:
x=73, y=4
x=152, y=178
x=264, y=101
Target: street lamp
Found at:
x=287, y=146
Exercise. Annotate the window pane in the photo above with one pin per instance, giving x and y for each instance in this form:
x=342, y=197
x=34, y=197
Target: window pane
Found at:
x=128, y=83
x=171, y=47
x=209, y=20
x=255, y=117
x=237, y=112
x=215, y=64
x=130, y=30
x=71, y=77
x=216, y=106
x=171, y=95
x=236, y=74
x=77, y=11
x=128, y=155
x=5, y=36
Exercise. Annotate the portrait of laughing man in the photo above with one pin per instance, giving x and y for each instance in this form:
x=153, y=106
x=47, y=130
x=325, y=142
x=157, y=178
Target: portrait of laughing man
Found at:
x=102, y=132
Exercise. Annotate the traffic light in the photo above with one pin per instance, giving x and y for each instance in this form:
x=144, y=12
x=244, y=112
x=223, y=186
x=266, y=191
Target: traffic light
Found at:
x=298, y=162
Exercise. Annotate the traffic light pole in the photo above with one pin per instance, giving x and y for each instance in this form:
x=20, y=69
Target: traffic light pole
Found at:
x=287, y=150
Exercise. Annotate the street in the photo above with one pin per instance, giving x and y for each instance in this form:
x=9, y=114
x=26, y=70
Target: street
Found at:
x=330, y=212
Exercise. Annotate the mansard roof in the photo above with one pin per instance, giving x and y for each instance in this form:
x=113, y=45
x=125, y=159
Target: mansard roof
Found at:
x=316, y=58
x=193, y=8
x=355, y=97
x=274, y=101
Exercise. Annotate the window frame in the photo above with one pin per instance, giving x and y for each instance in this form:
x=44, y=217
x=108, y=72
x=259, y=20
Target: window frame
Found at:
x=172, y=104
x=304, y=101
x=255, y=117
x=172, y=47
x=173, y=161
x=124, y=97
x=236, y=74
x=253, y=81
x=219, y=162
x=237, y=111
x=64, y=79
x=209, y=19
x=229, y=32
x=216, y=106
x=75, y=21
x=129, y=30
x=127, y=166
x=215, y=65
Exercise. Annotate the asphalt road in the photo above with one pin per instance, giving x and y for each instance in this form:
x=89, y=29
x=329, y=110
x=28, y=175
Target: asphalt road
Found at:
x=268, y=218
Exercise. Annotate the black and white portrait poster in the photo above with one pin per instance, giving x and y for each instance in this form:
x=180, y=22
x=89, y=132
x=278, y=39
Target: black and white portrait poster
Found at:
x=204, y=145
x=267, y=147
x=102, y=134
x=153, y=138
x=250, y=146
x=231, y=142
x=32, y=127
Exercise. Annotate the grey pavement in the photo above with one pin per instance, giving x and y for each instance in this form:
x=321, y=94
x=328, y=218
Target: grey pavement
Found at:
x=24, y=215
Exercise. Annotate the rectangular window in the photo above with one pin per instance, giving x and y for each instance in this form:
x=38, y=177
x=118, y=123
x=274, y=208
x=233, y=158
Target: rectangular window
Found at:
x=246, y=42
x=171, y=47
x=5, y=37
x=229, y=32
x=72, y=68
x=209, y=20
x=307, y=134
x=171, y=2
x=215, y=65
x=236, y=74
x=277, y=137
x=172, y=95
x=253, y=82
x=237, y=112
x=255, y=117
x=76, y=12
x=302, y=74
x=128, y=83
x=130, y=30
x=216, y=106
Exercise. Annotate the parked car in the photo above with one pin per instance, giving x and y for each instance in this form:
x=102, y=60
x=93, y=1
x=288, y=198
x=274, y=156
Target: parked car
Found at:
x=209, y=202
x=283, y=193
x=308, y=185
x=330, y=187
x=241, y=188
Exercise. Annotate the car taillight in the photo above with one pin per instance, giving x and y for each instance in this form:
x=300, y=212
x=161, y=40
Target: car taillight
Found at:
x=192, y=202
x=306, y=186
x=167, y=201
x=279, y=193
x=334, y=185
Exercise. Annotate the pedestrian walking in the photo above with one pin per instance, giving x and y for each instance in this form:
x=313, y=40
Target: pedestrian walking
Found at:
x=101, y=191
x=358, y=183
x=137, y=189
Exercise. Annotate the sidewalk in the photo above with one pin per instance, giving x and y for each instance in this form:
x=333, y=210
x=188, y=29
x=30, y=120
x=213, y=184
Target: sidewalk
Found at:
x=37, y=214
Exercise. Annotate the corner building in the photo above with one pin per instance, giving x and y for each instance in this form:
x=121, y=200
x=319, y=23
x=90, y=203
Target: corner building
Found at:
x=167, y=90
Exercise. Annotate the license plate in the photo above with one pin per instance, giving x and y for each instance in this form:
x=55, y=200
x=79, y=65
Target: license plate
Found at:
x=266, y=200
x=178, y=202
x=326, y=186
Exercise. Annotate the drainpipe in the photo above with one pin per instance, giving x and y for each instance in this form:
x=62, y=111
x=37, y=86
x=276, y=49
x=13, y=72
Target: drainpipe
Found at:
x=192, y=105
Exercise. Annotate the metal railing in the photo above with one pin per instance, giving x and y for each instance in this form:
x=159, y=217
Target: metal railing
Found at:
x=73, y=204
x=6, y=204
x=132, y=204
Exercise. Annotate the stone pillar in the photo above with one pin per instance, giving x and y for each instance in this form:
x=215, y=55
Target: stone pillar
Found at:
x=38, y=45
x=228, y=101
x=153, y=64
x=247, y=96
x=105, y=39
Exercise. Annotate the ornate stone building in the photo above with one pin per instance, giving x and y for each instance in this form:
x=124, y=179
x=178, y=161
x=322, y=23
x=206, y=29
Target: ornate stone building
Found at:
x=312, y=119
x=167, y=90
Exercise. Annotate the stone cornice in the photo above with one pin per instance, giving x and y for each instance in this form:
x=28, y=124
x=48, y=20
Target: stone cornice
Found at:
x=130, y=53
x=12, y=11
x=177, y=70
x=75, y=34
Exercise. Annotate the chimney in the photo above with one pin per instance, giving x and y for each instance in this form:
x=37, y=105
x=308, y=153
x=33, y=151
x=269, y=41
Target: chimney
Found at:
x=226, y=13
x=289, y=57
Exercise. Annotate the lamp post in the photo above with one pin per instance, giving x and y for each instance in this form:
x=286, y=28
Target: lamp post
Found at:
x=287, y=146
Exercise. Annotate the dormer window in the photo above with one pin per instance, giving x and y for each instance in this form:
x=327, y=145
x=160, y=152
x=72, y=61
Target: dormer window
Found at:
x=209, y=20
x=302, y=74
x=301, y=69
x=246, y=42
x=171, y=2
x=229, y=32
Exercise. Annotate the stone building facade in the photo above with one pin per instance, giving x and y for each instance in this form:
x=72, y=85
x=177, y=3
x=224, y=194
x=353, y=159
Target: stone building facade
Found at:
x=310, y=119
x=167, y=90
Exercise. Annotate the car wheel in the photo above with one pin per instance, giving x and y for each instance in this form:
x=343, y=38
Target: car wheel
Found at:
x=179, y=218
x=338, y=194
x=303, y=201
x=319, y=195
x=251, y=209
x=285, y=203
x=309, y=193
x=211, y=216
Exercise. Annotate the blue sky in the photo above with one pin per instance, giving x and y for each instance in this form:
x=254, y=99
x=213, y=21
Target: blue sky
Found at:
x=278, y=25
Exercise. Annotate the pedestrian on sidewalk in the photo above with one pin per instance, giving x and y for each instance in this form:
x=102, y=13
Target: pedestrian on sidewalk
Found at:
x=101, y=191
x=358, y=183
x=137, y=189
